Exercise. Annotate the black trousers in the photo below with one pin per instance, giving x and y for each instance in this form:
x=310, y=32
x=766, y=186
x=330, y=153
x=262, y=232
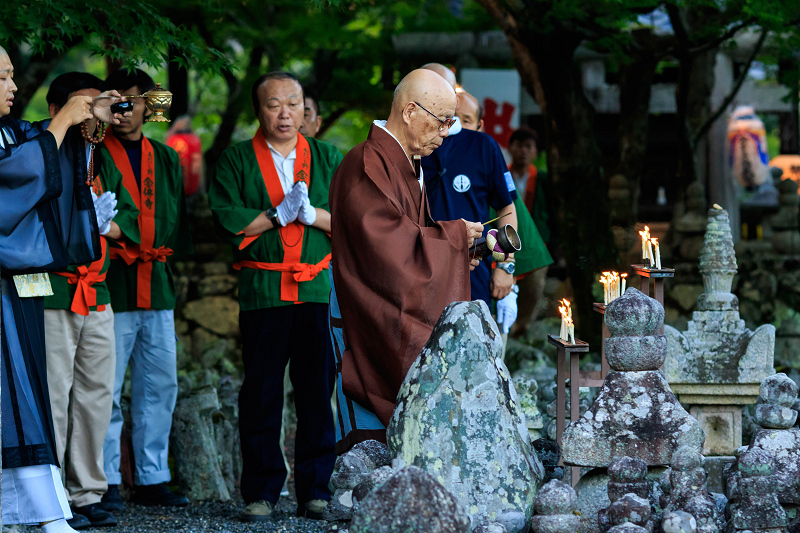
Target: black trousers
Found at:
x=297, y=334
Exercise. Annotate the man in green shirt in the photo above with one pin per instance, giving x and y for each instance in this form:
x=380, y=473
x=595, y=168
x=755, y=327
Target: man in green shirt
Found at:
x=269, y=198
x=143, y=295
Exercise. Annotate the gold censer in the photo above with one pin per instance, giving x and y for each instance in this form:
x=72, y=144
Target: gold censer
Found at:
x=157, y=101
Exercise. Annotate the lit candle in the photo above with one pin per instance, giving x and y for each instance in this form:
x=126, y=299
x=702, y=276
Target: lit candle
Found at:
x=571, y=332
x=566, y=313
x=623, y=276
x=650, y=255
x=658, y=253
x=645, y=238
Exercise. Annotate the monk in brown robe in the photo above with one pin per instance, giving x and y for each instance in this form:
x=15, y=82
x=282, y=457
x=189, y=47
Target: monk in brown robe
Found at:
x=393, y=268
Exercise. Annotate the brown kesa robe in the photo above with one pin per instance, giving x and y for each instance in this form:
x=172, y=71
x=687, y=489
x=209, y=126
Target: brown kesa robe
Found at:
x=394, y=269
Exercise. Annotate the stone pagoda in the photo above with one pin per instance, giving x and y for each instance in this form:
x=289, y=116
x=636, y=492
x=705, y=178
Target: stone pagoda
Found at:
x=635, y=414
x=716, y=366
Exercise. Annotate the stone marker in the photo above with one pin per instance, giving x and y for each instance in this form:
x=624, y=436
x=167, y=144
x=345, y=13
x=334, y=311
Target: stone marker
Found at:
x=759, y=509
x=627, y=477
x=409, y=502
x=716, y=365
x=688, y=490
x=783, y=445
x=364, y=466
x=555, y=506
x=194, y=447
x=549, y=453
x=635, y=414
x=458, y=418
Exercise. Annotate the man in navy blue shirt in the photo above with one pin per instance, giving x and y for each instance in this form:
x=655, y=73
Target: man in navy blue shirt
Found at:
x=464, y=178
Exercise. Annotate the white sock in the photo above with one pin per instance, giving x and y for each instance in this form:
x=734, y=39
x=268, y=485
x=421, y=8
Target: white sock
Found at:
x=57, y=526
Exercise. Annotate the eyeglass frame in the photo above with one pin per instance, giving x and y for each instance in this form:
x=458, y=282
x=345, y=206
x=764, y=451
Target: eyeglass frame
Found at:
x=448, y=123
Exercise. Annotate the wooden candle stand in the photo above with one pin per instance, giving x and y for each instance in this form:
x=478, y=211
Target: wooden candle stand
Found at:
x=577, y=379
x=657, y=275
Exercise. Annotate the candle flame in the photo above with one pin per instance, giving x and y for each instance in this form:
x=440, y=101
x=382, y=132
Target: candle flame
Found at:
x=564, y=309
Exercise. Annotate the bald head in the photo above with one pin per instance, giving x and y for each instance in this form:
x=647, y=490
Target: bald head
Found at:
x=428, y=89
x=423, y=103
x=469, y=111
x=3, y=51
x=442, y=71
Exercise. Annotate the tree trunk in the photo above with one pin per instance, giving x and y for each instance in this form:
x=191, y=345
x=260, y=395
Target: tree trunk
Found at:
x=574, y=164
x=635, y=81
x=238, y=102
x=178, y=86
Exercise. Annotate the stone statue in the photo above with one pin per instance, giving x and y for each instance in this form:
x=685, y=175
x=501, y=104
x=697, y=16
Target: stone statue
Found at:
x=716, y=365
x=627, y=478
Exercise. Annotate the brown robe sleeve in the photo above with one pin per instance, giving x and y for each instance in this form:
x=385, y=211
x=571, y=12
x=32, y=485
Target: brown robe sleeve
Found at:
x=393, y=273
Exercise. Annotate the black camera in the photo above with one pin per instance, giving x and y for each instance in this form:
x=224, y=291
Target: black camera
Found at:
x=121, y=107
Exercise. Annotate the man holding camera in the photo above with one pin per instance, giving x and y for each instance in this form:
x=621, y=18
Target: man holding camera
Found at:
x=143, y=295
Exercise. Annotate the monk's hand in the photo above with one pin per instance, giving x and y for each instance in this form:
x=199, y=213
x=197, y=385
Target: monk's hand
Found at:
x=473, y=263
x=290, y=207
x=501, y=283
x=474, y=231
x=101, y=107
x=76, y=110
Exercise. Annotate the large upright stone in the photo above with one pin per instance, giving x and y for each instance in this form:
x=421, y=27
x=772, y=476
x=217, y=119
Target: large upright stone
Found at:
x=635, y=414
x=458, y=418
x=716, y=365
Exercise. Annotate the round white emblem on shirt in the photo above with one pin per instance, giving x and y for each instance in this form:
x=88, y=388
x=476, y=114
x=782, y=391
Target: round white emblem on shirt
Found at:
x=461, y=183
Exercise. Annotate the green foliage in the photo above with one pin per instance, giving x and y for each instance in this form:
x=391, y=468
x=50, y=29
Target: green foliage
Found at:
x=131, y=33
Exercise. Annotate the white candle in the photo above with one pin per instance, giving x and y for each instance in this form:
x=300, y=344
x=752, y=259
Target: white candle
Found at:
x=623, y=283
x=571, y=333
x=650, y=252
x=658, y=254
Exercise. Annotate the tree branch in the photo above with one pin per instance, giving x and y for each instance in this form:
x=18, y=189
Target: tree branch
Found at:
x=714, y=43
x=728, y=99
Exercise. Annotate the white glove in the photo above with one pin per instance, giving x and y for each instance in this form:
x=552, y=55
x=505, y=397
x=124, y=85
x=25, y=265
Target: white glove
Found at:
x=507, y=309
x=292, y=202
x=307, y=214
x=105, y=209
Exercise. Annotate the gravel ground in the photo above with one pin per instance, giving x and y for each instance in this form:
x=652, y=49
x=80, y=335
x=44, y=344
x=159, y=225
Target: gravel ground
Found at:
x=202, y=517
x=211, y=516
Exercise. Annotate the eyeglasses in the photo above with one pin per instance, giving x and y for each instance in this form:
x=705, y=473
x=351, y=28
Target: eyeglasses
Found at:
x=442, y=123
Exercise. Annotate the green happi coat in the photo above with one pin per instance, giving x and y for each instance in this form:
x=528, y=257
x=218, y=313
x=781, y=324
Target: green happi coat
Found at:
x=63, y=290
x=171, y=230
x=237, y=195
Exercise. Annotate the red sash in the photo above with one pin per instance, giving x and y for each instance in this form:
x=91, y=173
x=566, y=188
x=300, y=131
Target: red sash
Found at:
x=145, y=201
x=84, y=277
x=292, y=270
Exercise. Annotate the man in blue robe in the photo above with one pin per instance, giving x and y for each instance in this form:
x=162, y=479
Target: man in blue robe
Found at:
x=47, y=221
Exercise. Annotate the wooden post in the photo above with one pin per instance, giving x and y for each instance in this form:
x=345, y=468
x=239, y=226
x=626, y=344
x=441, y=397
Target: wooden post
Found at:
x=577, y=379
x=601, y=308
x=658, y=276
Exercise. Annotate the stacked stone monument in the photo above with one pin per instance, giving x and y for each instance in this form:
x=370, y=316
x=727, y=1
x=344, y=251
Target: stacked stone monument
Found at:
x=556, y=506
x=716, y=366
x=779, y=439
x=758, y=509
x=458, y=418
x=688, y=491
x=635, y=414
x=627, y=478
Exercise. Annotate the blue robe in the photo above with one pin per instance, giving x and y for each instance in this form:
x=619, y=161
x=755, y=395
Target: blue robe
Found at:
x=47, y=222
